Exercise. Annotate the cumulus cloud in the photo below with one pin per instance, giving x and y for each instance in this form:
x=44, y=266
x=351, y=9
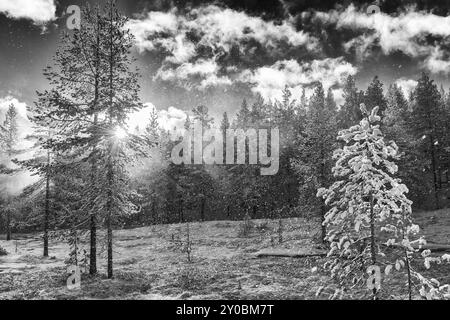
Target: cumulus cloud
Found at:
x=200, y=74
x=194, y=42
x=139, y=119
x=436, y=62
x=269, y=81
x=407, y=85
x=39, y=11
x=172, y=119
x=405, y=32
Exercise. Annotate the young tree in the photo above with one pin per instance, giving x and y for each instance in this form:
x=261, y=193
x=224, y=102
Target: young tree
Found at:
x=370, y=213
x=349, y=113
x=374, y=96
x=9, y=138
x=41, y=164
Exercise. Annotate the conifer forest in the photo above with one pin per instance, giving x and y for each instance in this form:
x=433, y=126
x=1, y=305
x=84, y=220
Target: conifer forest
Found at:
x=224, y=150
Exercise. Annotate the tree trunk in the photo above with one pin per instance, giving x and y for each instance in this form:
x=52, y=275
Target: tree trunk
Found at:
x=110, y=246
x=8, y=225
x=202, y=209
x=323, y=210
x=322, y=222
x=93, y=221
x=433, y=168
x=110, y=164
x=408, y=269
x=47, y=207
x=153, y=217
x=372, y=239
x=93, y=246
x=109, y=208
x=181, y=211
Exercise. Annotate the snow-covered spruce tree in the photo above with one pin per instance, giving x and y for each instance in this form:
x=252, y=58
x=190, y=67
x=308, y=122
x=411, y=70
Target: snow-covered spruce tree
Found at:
x=369, y=224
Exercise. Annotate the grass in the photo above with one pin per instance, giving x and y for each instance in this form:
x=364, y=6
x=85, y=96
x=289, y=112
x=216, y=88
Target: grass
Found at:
x=149, y=263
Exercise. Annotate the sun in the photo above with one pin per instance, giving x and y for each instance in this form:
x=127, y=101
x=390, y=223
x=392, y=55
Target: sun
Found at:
x=120, y=133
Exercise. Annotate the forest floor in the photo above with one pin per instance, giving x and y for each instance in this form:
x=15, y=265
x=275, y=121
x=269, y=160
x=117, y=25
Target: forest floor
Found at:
x=150, y=263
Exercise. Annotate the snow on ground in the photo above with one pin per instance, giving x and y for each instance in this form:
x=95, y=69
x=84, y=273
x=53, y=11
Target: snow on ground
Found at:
x=150, y=263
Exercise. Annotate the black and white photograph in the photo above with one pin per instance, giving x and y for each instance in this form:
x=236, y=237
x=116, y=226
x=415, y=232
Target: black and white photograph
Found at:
x=224, y=156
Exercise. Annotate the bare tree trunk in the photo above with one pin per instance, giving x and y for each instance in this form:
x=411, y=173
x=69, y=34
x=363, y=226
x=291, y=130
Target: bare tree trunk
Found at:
x=153, y=218
x=433, y=168
x=202, y=209
x=110, y=164
x=322, y=207
x=109, y=208
x=110, y=246
x=372, y=239
x=181, y=211
x=47, y=206
x=93, y=222
x=93, y=246
x=408, y=269
x=8, y=225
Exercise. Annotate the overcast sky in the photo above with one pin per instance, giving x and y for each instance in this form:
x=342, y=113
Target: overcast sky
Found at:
x=218, y=52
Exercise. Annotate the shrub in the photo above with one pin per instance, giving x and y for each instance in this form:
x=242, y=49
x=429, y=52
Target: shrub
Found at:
x=3, y=252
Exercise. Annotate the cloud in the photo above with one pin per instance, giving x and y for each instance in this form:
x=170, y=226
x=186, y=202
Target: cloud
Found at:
x=141, y=118
x=200, y=74
x=407, y=85
x=436, y=62
x=172, y=119
x=195, y=42
x=269, y=81
x=406, y=32
x=39, y=11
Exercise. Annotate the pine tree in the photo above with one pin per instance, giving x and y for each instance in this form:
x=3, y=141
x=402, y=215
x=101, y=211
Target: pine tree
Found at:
x=93, y=92
x=243, y=116
x=121, y=98
x=349, y=112
x=9, y=138
x=76, y=100
x=201, y=114
x=316, y=145
x=41, y=164
x=370, y=214
x=426, y=124
x=396, y=128
x=374, y=96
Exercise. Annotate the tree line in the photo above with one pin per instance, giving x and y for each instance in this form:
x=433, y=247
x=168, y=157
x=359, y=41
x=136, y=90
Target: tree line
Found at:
x=91, y=177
